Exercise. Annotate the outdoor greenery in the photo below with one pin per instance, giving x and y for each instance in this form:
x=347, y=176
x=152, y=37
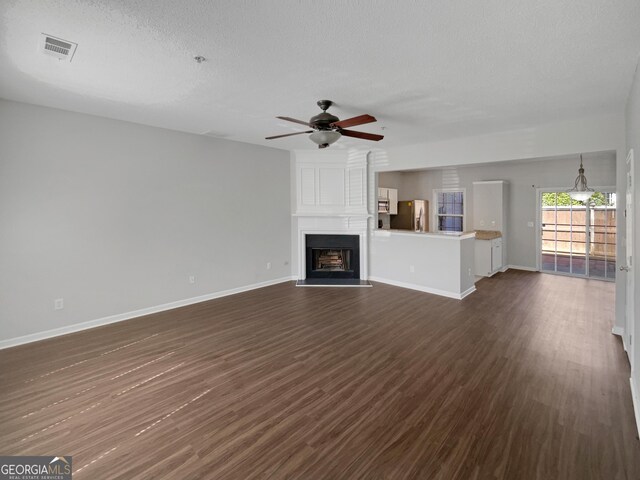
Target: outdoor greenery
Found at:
x=564, y=200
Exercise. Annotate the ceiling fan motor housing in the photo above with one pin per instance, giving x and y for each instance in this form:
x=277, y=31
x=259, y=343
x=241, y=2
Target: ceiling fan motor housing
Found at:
x=323, y=121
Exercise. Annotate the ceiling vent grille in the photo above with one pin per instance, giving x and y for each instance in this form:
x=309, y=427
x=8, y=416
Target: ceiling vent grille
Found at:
x=56, y=47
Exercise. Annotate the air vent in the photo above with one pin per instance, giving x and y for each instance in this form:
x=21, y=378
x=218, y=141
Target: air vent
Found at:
x=56, y=47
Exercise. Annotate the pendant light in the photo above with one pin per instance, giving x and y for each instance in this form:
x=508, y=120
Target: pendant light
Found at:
x=581, y=191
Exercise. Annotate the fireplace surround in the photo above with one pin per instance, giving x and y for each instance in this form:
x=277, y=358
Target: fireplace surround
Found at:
x=331, y=205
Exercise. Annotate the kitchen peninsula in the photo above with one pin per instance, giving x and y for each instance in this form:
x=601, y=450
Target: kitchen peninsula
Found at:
x=439, y=263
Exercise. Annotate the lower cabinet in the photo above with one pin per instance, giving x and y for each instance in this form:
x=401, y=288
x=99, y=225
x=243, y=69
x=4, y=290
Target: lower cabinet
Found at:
x=488, y=257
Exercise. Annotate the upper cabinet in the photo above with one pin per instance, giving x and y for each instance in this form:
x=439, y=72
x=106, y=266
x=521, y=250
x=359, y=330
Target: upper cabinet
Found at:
x=393, y=201
x=331, y=186
x=391, y=197
x=489, y=205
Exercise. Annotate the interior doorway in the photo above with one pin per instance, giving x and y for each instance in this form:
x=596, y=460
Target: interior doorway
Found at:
x=578, y=238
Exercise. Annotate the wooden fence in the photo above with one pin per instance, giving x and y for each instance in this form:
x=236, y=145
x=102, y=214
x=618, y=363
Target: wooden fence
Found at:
x=563, y=231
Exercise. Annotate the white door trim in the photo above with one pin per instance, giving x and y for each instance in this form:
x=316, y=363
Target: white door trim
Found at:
x=630, y=280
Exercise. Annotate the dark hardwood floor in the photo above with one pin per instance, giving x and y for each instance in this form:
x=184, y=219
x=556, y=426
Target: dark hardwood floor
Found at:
x=521, y=380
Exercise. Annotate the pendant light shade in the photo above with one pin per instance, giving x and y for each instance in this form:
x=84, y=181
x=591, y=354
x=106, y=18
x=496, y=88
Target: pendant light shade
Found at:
x=581, y=191
x=324, y=138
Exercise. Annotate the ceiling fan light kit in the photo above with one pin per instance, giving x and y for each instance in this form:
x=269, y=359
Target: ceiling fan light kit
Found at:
x=327, y=128
x=324, y=138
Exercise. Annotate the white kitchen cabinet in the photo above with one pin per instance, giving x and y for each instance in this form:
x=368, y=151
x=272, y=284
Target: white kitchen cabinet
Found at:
x=489, y=205
x=496, y=254
x=490, y=208
x=393, y=201
x=488, y=257
x=390, y=194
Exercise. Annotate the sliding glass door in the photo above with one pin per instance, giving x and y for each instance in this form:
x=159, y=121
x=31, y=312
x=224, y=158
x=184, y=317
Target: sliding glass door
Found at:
x=578, y=238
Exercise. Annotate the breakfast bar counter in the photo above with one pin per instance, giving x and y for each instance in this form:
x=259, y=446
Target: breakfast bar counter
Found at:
x=440, y=263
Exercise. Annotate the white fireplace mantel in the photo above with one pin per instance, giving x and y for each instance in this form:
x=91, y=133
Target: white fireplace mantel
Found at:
x=331, y=199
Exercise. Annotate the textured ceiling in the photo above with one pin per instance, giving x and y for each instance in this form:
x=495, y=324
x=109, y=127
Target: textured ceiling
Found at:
x=428, y=70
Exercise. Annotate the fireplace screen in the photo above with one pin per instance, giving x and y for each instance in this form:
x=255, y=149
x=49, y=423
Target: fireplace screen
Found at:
x=332, y=256
x=332, y=260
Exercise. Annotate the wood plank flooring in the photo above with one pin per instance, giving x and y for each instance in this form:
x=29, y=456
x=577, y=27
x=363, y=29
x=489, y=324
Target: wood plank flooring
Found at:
x=521, y=380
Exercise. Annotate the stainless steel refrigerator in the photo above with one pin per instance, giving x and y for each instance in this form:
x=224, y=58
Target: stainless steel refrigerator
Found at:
x=412, y=215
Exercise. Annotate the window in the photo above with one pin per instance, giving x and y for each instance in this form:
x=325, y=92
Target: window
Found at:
x=449, y=210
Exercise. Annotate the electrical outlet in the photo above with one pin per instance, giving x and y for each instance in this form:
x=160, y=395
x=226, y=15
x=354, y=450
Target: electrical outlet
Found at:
x=412, y=268
x=192, y=279
x=58, y=304
x=530, y=224
x=268, y=265
x=469, y=272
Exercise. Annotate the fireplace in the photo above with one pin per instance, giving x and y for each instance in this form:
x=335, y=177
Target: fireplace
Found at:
x=332, y=256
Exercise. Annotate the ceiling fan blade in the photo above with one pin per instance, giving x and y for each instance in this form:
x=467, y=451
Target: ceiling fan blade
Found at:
x=363, y=135
x=289, y=119
x=287, y=135
x=352, y=122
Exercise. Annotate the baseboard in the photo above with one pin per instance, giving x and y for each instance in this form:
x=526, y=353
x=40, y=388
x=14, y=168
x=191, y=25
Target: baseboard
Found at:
x=636, y=404
x=618, y=331
x=421, y=288
x=520, y=267
x=468, y=292
x=77, y=327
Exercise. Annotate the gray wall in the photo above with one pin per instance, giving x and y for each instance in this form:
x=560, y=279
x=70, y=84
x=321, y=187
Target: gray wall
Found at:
x=600, y=170
x=115, y=217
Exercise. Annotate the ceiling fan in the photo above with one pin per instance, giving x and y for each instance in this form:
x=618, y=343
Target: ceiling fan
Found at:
x=327, y=128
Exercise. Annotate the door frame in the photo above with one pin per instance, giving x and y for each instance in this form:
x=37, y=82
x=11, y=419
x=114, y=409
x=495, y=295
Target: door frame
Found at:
x=630, y=277
x=539, y=192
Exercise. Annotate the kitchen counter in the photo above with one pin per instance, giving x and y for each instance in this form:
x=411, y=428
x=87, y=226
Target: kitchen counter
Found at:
x=383, y=232
x=487, y=234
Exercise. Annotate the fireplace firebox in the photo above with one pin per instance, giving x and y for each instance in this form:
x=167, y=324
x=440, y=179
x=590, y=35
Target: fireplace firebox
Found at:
x=332, y=256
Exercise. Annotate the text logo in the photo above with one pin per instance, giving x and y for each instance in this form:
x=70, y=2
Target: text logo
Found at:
x=35, y=468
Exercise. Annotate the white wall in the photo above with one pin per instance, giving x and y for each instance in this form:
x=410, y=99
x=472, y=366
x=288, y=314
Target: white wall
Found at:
x=114, y=217
x=633, y=142
x=600, y=170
